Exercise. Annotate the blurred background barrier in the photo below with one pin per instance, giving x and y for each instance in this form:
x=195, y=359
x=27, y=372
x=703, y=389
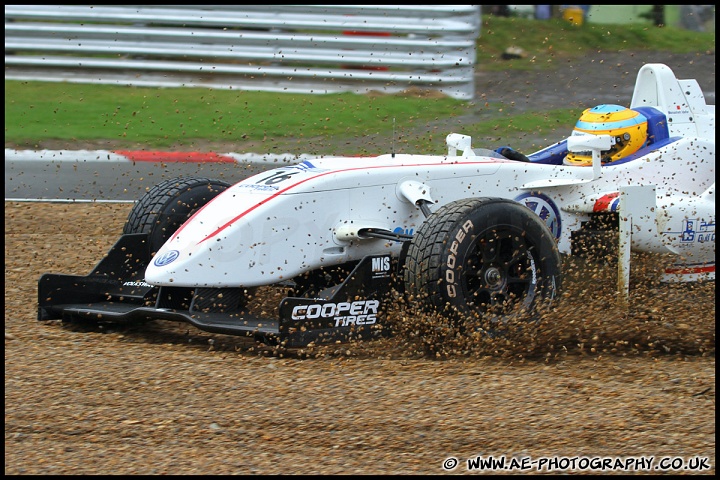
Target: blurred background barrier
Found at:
x=284, y=48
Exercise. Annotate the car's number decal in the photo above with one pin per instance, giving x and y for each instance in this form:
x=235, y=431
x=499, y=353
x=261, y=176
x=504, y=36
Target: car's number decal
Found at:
x=277, y=177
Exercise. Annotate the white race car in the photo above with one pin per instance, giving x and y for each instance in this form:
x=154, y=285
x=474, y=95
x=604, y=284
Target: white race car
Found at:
x=474, y=233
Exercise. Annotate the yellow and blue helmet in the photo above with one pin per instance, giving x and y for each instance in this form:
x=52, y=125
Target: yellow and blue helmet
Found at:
x=627, y=128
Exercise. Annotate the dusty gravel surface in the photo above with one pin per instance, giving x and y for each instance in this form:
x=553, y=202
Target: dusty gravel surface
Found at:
x=589, y=380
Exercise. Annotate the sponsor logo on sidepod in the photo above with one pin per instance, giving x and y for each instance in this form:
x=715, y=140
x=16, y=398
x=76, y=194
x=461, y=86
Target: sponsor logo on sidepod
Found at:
x=166, y=258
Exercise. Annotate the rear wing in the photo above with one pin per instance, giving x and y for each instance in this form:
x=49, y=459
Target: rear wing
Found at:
x=682, y=101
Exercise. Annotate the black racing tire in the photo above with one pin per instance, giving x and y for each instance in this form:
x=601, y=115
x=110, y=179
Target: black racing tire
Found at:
x=482, y=256
x=167, y=205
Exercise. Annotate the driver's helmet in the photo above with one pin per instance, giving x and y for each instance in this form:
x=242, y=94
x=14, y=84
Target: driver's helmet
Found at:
x=628, y=129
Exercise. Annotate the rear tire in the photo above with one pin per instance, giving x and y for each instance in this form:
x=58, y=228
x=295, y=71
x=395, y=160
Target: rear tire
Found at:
x=482, y=256
x=167, y=205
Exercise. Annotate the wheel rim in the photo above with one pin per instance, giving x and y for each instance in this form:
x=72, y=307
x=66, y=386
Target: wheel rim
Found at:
x=500, y=272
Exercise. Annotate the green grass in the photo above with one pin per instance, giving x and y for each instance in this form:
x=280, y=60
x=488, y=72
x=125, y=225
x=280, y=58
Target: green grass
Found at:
x=157, y=118
x=164, y=117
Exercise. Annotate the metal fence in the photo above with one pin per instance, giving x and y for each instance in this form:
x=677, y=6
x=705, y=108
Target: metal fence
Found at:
x=285, y=48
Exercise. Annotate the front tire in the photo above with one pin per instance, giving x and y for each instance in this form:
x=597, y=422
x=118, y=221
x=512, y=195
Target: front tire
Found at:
x=164, y=208
x=482, y=256
x=167, y=205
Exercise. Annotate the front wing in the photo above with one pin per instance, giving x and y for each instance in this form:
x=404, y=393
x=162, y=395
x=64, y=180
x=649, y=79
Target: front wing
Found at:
x=115, y=292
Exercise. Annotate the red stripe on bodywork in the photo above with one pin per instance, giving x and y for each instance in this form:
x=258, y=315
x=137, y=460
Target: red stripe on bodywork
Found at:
x=603, y=203
x=189, y=157
x=276, y=194
x=690, y=270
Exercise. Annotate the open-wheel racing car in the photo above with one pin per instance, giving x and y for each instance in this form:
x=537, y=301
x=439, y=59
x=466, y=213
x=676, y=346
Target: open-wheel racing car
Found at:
x=474, y=233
